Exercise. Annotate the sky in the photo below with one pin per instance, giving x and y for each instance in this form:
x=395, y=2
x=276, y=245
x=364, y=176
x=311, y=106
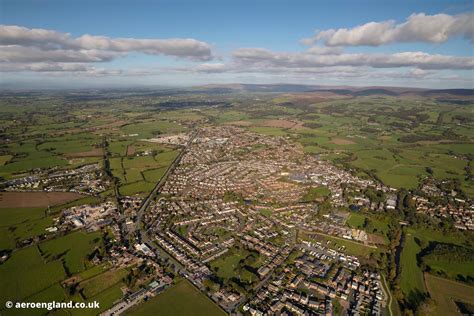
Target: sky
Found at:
x=93, y=44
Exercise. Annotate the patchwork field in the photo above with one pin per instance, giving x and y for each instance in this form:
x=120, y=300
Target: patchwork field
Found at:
x=139, y=164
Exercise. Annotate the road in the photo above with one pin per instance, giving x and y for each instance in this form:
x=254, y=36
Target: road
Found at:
x=387, y=293
x=159, y=185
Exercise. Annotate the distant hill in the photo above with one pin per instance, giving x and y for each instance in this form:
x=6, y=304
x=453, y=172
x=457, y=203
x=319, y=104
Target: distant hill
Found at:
x=458, y=92
x=340, y=90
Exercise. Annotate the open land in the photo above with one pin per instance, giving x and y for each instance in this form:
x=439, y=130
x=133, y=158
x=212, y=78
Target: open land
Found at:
x=36, y=199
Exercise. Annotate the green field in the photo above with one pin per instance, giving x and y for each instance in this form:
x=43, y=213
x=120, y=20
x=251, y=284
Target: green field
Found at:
x=154, y=175
x=451, y=269
x=139, y=174
x=411, y=276
x=137, y=187
x=444, y=292
x=4, y=159
x=26, y=273
x=356, y=220
x=17, y=224
x=95, y=285
x=228, y=263
x=411, y=281
x=17, y=215
x=316, y=193
x=271, y=131
x=92, y=272
x=106, y=300
x=72, y=248
x=181, y=299
x=150, y=129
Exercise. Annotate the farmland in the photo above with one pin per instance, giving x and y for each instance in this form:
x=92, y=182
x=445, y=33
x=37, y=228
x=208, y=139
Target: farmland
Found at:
x=27, y=274
x=411, y=274
x=446, y=293
x=36, y=199
x=411, y=281
x=72, y=249
x=139, y=172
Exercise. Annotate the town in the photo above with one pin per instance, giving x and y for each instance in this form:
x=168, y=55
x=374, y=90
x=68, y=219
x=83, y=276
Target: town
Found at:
x=233, y=194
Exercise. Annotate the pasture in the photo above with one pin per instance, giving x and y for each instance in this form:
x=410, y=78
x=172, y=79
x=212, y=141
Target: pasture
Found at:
x=140, y=187
x=36, y=199
x=411, y=281
x=26, y=273
x=446, y=292
x=72, y=249
x=17, y=224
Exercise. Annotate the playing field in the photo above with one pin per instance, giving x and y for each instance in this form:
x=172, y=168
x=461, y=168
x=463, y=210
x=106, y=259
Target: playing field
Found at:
x=182, y=299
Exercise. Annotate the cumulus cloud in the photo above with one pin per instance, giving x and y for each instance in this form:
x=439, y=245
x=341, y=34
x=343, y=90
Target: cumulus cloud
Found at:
x=266, y=58
x=24, y=45
x=316, y=62
x=318, y=50
x=21, y=54
x=52, y=52
x=420, y=27
x=58, y=67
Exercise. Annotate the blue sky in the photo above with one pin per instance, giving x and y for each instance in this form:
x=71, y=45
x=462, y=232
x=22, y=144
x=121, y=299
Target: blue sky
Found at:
x=237, y=41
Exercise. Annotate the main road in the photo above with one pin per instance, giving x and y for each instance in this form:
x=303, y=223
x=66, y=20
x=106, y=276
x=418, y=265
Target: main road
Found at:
x=146, y=203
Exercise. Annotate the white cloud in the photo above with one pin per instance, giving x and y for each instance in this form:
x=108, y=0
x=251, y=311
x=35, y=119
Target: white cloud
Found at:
x=58, y=68
x=318, y=50
x=266, y=58
x=15, y=53
x=21, y=44
x=420, y=27
x=187, y=47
